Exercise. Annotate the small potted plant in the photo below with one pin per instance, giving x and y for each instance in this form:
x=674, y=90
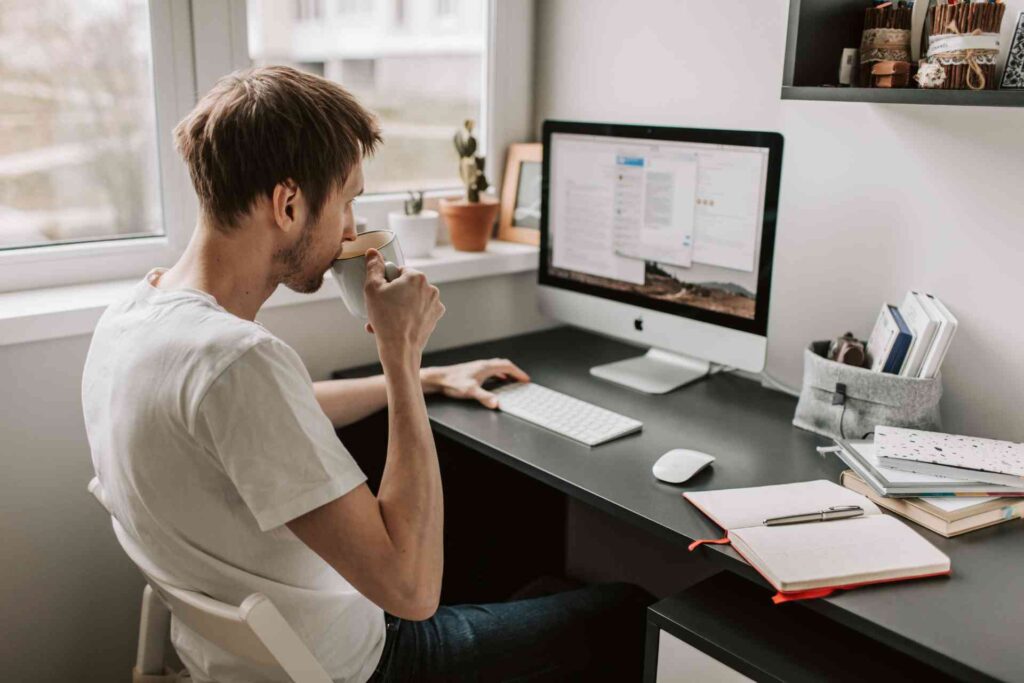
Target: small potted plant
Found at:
x=415, y=227
x=470, y=219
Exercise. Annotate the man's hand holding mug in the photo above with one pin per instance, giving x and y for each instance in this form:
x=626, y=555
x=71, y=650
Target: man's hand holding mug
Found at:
x=402, y=313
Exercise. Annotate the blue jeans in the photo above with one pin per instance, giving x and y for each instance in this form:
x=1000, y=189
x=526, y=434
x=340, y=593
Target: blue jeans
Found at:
x=594, y=633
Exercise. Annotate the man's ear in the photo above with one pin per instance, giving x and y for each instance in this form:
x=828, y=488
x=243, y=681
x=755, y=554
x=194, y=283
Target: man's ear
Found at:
x=286, y=202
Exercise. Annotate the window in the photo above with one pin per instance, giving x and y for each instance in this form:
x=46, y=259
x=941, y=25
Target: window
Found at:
x=316, y=68
x=308, y=10
x=91, y=188
x=422, y=84
x=78, y=146
x=355, y=6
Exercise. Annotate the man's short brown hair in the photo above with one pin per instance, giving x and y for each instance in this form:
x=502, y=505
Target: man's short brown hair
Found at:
x=259, y=127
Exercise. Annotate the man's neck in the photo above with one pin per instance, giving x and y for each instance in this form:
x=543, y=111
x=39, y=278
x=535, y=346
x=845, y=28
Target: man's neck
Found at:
x=236, y=268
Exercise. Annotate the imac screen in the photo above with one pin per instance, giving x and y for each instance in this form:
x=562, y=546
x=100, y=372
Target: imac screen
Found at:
x=674, y=225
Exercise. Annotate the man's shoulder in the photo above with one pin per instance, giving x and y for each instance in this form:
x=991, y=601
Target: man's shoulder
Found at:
x=188, y=342
x=184, y=323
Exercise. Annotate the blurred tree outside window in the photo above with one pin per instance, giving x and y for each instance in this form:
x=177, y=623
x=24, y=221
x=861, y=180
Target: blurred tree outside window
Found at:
x=78, y=153
x=420, y=69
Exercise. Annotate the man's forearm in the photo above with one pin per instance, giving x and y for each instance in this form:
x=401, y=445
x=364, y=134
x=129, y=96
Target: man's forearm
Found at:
x=410, y=495
x=345, y=401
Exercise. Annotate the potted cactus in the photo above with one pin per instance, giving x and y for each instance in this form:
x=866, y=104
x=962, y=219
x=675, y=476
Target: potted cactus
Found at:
x=470, y=219
x=415, y=227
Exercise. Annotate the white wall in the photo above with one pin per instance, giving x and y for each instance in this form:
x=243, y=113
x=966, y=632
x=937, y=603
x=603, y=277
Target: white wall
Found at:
x=69, y=597
x=875, y=199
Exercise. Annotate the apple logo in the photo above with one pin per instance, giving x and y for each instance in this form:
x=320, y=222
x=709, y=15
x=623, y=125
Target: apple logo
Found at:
x=638, y=324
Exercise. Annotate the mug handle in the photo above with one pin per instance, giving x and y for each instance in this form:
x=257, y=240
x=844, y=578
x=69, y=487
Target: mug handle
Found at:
x=390, y=271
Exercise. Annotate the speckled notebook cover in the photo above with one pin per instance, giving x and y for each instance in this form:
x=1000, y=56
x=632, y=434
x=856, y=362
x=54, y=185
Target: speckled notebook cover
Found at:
x=989, y=455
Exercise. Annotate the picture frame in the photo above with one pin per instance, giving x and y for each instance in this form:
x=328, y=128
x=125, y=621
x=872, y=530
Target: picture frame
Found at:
x=521, y=194
x=1013, y=72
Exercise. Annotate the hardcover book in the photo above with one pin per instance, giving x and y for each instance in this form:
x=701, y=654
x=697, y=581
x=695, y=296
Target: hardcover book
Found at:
x=950, y=455
x=945, y=516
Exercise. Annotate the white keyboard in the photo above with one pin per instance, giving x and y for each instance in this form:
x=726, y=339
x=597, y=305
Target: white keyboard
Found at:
x=565, y=415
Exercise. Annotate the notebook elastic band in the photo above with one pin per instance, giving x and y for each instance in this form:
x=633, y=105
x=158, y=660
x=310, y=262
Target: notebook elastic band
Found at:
x=780, y=598
x=712, y=541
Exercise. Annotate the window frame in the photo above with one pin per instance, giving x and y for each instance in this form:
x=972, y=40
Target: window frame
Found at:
x=73, y=263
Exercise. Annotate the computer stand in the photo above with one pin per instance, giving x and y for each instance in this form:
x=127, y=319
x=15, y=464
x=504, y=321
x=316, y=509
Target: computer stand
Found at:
x=655, y=372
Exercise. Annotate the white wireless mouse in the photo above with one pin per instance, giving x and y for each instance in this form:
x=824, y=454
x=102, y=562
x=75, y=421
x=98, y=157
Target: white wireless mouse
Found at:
x=680, y=464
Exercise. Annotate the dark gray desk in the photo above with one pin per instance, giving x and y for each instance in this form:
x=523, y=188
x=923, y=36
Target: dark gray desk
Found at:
x=970, y=625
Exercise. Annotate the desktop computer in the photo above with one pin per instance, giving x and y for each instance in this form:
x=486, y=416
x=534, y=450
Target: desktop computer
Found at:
x=659, y=236
x=663, y=237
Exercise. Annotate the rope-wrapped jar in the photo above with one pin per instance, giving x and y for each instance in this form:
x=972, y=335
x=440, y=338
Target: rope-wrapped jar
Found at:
x=963, y=40
x=886, y=38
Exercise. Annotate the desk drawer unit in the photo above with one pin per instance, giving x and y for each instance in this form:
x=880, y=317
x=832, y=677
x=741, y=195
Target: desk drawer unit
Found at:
x=725, y=629
x=680, y=662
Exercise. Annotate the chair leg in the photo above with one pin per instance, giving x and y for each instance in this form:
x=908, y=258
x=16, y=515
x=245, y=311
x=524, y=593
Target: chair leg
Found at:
x=154, y=633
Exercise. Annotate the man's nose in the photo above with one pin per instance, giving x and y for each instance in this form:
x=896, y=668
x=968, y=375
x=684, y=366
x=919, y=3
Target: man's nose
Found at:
x=348, y=228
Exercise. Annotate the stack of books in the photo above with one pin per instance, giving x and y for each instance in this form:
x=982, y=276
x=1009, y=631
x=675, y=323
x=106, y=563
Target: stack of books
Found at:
x=911, y=340
x=903, y=472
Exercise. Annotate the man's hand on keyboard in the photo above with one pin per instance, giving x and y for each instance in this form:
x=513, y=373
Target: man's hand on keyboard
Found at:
x=466, y=380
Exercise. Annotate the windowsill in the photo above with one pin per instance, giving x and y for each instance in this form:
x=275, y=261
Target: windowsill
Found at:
x=53, y=313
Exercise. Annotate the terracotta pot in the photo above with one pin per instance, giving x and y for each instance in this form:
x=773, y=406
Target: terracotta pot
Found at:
x=469, y=224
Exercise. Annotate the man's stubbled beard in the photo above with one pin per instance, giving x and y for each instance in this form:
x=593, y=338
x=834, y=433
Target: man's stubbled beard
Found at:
x=293, y=263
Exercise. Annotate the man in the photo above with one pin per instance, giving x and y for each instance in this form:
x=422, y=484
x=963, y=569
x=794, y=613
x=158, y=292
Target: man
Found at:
x=218, y=453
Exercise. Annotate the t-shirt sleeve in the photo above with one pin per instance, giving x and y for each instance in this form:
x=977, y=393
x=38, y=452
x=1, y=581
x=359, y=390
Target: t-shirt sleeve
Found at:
x=261, y=420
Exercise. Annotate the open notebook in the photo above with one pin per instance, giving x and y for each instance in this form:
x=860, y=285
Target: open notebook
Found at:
x=811, y=560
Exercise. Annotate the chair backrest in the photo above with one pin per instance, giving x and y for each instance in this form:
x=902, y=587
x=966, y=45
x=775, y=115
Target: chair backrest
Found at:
x=255, y=630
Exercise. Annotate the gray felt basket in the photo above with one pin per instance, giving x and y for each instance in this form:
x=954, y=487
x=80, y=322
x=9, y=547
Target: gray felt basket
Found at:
x=842, y=401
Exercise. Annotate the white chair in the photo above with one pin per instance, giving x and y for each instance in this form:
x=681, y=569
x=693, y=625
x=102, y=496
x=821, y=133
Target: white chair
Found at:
x=255, y=630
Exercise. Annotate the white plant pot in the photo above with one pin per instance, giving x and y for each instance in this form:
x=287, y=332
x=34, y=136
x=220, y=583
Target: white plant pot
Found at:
x=417, y=234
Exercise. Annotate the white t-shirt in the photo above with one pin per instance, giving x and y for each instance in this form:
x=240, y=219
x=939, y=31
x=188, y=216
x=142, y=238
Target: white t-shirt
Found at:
x=206, y=437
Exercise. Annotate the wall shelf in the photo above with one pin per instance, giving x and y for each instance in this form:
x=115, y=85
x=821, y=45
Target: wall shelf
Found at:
x=820, y=29
x=980, y=98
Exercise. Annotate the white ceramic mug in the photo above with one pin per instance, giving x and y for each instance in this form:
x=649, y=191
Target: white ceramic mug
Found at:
x=350, y=266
